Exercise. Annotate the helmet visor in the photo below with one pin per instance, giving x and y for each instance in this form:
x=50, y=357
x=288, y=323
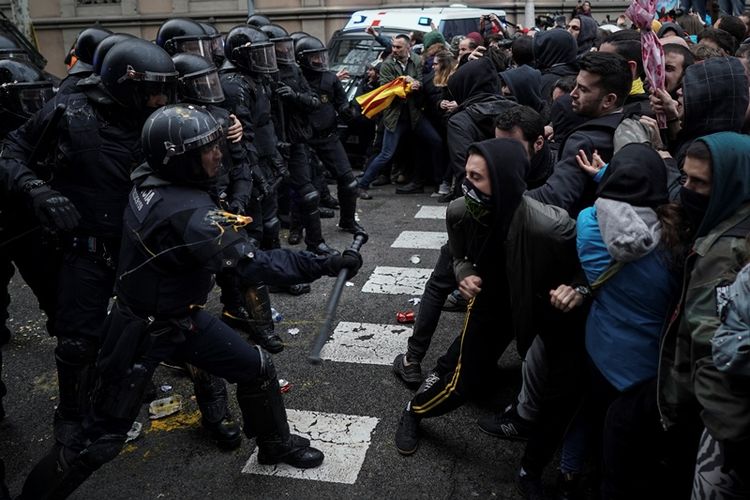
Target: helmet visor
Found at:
x=316, y=60
x=217, y=45
x=263, y=58
x=32, y=97
x=284, y=50
x=148, y=76
x=202, y=87
x=199, y=46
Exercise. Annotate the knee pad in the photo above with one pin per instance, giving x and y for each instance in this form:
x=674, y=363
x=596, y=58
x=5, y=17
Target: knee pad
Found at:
x=309, y=198
x=76, y=350
x=347, y=183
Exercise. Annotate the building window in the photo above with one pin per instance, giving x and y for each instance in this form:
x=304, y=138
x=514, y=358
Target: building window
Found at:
x=96, y=2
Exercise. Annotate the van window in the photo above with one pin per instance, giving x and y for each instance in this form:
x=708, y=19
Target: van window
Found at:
x=453, y=27
x=354, y=54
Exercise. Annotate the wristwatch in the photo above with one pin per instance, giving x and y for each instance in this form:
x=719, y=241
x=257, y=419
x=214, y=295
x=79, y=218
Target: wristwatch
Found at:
x=584, y=291
x=32, y=185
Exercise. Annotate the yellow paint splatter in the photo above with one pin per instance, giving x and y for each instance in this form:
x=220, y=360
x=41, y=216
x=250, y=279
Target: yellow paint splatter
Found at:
x=182, y=420
x=129, y=448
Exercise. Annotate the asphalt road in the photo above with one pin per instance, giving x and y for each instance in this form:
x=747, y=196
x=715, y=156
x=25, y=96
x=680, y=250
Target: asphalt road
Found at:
x=173, y=458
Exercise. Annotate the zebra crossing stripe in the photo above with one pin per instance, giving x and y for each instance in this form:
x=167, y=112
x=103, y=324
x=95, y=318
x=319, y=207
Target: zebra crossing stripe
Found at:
x=431, y=212
x=397, y=280
x=343, y=439
x=422, y=240
x=367, y=343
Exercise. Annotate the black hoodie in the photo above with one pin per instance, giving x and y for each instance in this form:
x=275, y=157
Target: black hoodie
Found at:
x=555, y=53
x=480, y=243
x=474, y=78
x=524, y=83
x=587, y=34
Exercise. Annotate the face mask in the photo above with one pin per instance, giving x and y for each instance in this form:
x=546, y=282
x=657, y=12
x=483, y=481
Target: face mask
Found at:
x=695, y=205
x=478, y=204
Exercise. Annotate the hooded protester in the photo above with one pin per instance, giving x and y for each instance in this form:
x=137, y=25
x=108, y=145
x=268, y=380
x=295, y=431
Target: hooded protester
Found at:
x=564, y=122
x=475, y=87
x=669, y=30
x=499, y=234
x=524, y=83
x=692, y=393
x=586, y=34
x=555, y=53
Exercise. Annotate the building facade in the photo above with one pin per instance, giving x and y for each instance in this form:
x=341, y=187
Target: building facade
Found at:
x=57, y=22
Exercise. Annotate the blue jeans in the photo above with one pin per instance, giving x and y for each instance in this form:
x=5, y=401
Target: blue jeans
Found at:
x=391, y=138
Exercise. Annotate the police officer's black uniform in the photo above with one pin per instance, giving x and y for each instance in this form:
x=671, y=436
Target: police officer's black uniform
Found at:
x=297, y=101
x=312, y=58
x=97, y=147
x=175, y=240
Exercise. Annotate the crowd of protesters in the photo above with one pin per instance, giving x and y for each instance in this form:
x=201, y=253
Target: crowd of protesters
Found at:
x=598, y=221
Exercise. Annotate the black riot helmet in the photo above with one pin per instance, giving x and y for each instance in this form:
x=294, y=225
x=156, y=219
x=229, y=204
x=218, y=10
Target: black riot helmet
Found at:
x=258, y=20
x=198, y=81
x=182, y=144
x=311, y=54
x=134, y=70
x=23, y=89
x=298, y=35
x=10, y=50
x=283, y=43
x=217, y=43
x=179, y=35
x=247, y=47
x=104, y=46
x=86, y=43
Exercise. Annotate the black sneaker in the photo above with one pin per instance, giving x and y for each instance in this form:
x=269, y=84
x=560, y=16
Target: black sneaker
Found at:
x=410, y=374
x=530, y=487
x=380, y=180
x=411, y=188
x=506, y=425
x=407, y=434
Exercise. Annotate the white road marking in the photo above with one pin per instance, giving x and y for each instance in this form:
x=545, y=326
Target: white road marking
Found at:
x=397, y=280
x=344, y=439
x=431, y=212
x=424, y=240
x=368, y=343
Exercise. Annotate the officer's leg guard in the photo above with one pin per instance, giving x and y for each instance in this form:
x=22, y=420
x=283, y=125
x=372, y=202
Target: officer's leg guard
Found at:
x=75, y=359
x=308, y=201
x=295, y=222
x=211, y=396
x=271, y=233
x=347, y=191
x=265, y=419
x=64, y=469
x=259, y=305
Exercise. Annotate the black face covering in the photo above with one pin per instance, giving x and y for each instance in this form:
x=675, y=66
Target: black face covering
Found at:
x=478, y=204
x=695, y=205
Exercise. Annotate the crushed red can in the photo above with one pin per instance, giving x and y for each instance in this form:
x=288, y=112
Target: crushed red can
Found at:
x=405, y=316
x=284, y=386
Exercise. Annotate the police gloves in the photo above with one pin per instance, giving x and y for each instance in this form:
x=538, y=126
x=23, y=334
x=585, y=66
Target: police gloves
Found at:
x=286, y=92
x=54, y=211
x=350, y=260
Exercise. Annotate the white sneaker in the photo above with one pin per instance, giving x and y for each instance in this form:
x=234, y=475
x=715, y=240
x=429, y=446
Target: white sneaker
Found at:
x=444, y=188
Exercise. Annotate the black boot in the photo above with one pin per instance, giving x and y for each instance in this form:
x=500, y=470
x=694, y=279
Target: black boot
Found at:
x=75, y=382
x=259, y=305
x=328, y=201
x=211, y=396
x=348, y=209
x=265, y=419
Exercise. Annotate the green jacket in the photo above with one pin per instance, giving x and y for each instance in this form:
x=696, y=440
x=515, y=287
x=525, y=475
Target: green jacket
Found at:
x=389, y=71
x=688, y=380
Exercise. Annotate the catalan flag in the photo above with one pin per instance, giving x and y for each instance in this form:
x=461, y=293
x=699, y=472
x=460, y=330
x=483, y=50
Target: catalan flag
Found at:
x=377, y=100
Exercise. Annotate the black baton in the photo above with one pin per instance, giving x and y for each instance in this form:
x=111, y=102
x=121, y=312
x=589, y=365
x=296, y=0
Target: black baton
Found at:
x=333, y=302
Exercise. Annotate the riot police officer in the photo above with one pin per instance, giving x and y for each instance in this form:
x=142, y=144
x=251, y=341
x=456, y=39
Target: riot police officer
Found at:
x=96, y=146
x=86, y=43
x=180, y=35
x=312, y=57
x=176, y=239
x=297, y=101
x=23, y=91
x=250, y=59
